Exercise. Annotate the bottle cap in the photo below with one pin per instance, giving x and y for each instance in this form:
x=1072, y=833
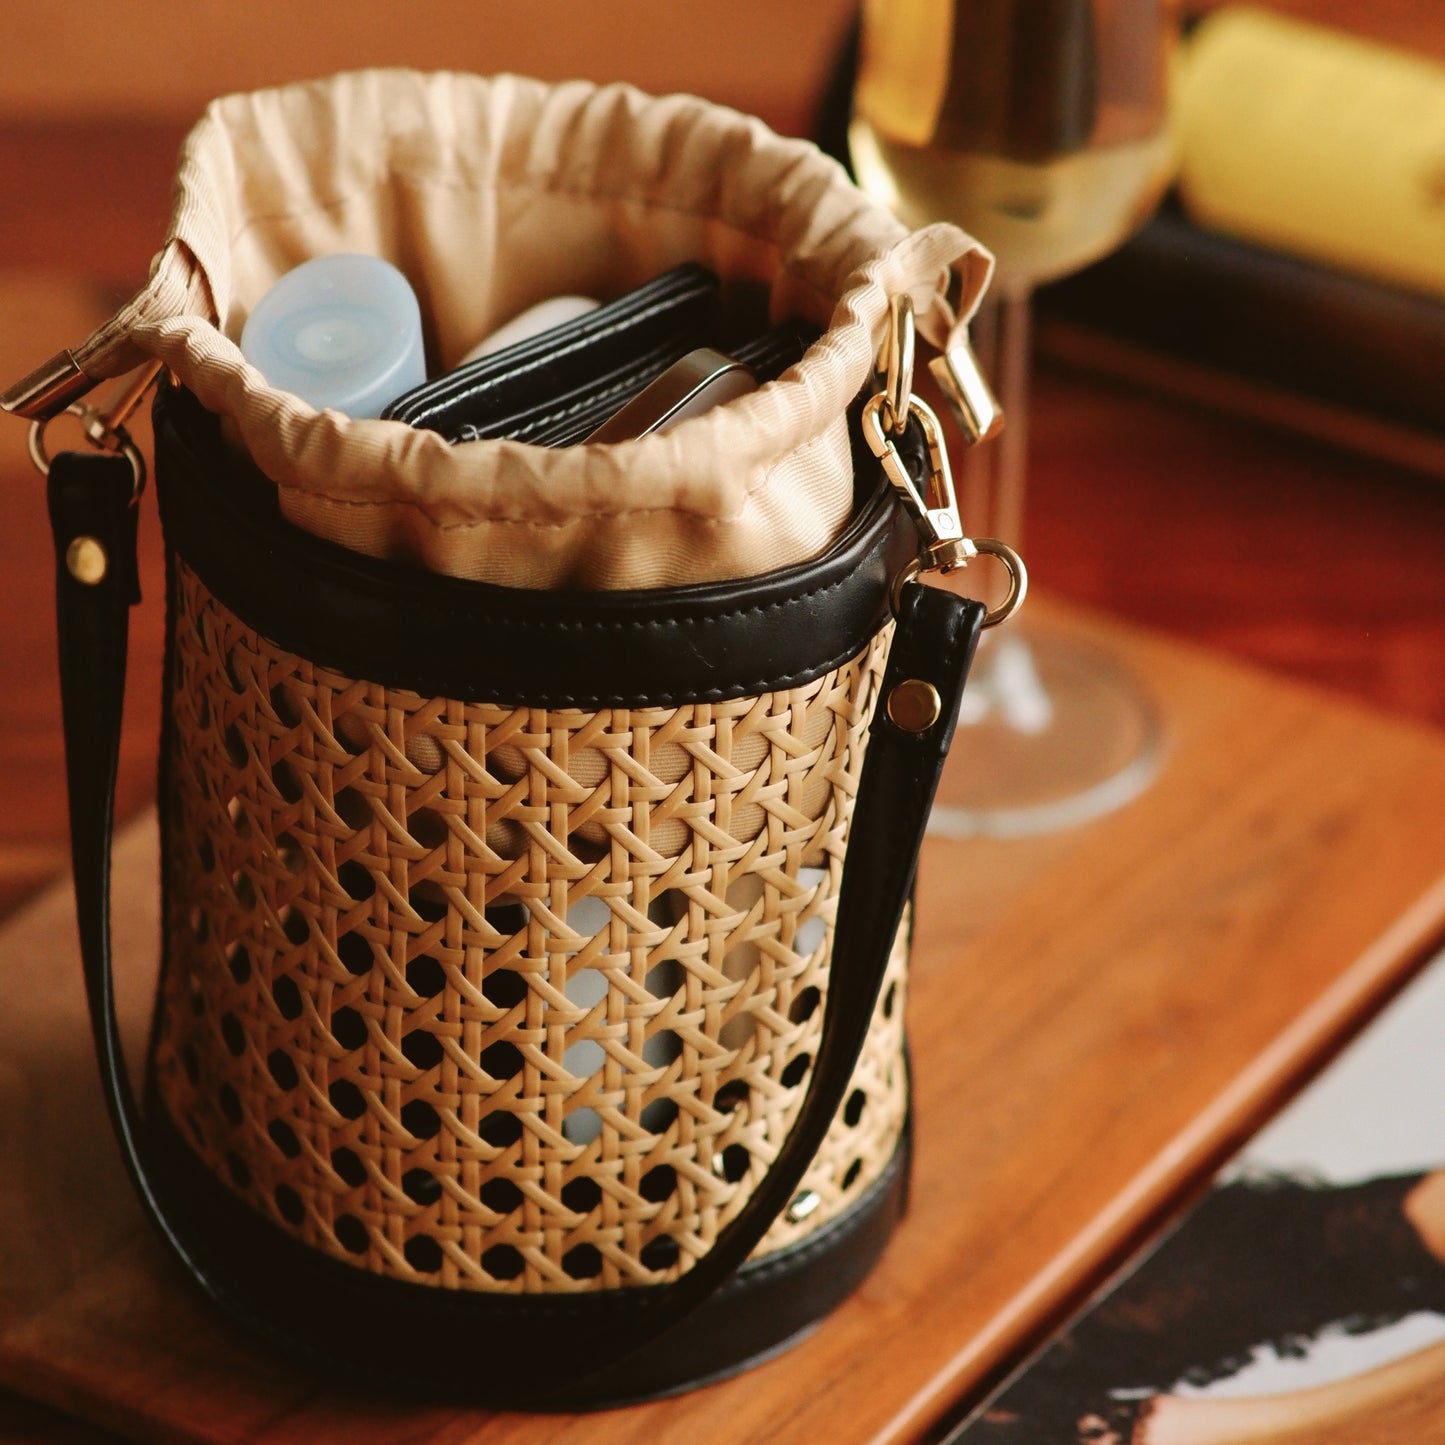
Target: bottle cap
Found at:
x=340, y=331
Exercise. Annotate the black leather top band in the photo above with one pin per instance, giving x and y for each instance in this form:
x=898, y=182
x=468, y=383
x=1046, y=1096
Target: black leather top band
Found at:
x=443, y=636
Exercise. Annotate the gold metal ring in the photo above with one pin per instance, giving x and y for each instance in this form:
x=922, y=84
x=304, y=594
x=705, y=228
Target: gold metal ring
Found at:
x=1018, y=577
x=115, y=439
x=895, y=361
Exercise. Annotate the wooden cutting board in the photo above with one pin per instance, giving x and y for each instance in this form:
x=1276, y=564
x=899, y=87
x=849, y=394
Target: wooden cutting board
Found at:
x=1097, y=1016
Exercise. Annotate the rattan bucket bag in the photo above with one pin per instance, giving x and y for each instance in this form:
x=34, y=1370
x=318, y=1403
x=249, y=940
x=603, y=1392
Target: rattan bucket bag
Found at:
x=538, y=826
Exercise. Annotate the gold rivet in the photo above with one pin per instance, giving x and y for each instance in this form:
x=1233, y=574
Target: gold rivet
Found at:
x=86, y=561
x=914, y=705
x=805, y=1201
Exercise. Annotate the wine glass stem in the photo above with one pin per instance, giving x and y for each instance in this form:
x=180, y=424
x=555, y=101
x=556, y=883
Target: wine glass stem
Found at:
x=1011, y=368
x=993, y=477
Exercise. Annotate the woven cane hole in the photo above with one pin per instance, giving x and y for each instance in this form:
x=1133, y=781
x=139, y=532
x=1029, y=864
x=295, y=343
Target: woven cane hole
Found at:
x=500, y=1195
x=429, y=900
x=240, y=818
x=350, y=1233
x=289, y=854
x=354, y=951
x=200, y=924
x=582, y=1196
x=851, y=1177
x=665, y=980
x=658, y=1183
x=796, y=1070
x=236, y=748
x=285, y=705
x=288, y=1204
x=503, y=1261
x=504, y=987
x=203, y=712
x=428, y=828
x=424, y=976
x=732, y=1095
x=735, y=1162
x=287, y=781
x=890, y=999
x=244, y=890
x=660, y=1253
x=281, y=1068
x=283, y=1136
x=582, y=1126
x=423, y=1253
x=356, y=881
x=584, y=1058
x=853, y=1109
x=295, y=925
x=583, y=1261
x=805, y=1005
x=353, y=730
x=207, y=852
x=421, y=1186
x=230, y=1103
x=239, y=1171
x=353, y=809
x=196, y=994
x=811, y=932
x=287, y=996
x=507, y=839
x=425, y=753
x=233, y=1034
x=348, y=1028
x=239, y=962
x=349, y=1101
x=420, y=1120
x=422, y=1049
x=508, y=916
x=658, y=1116
x=191, y=1065
x=662, y=1048
x=500, y=1129
x=502, y=1060
x=348, y=1166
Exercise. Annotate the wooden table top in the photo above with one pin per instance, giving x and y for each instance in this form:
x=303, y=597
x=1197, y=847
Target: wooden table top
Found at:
x=1316, y=566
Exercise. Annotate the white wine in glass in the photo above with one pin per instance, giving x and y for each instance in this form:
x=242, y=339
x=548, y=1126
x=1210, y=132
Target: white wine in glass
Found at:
x=1039, y=126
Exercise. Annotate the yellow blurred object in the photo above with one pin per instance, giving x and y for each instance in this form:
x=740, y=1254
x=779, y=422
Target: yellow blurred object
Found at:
x=1316, y=143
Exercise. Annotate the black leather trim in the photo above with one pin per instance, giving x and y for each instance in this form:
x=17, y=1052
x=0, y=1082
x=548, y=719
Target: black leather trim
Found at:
x=385, y=1333
x=442, y=636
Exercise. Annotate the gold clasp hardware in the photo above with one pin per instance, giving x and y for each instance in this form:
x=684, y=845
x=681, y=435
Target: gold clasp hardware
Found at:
x=104, y=430
x=935, y=512
x=970, y=398
x=895, y=364
x=934, y=509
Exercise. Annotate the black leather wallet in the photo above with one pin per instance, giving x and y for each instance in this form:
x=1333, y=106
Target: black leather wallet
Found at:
x=556, y=388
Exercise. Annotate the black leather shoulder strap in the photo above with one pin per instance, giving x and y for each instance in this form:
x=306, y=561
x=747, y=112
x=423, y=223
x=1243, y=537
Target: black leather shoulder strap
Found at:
x=90, y=497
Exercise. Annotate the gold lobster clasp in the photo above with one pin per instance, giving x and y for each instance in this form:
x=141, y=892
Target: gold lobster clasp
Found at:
x=934, y=506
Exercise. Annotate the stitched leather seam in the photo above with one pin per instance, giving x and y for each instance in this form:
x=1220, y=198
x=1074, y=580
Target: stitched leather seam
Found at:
x=547, y=358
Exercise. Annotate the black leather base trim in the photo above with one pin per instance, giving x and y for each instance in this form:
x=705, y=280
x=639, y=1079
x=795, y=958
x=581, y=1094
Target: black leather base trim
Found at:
x=386, y=1334
x=443, y=636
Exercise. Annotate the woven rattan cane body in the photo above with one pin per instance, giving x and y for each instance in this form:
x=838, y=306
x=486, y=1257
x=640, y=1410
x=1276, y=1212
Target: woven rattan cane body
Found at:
x=506, y=998
x=484, y=992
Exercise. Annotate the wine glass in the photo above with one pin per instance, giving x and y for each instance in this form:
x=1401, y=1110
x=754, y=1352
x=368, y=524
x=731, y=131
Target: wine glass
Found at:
x=1040, y=126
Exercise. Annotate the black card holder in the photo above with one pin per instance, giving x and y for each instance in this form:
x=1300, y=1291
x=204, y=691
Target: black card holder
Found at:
x=531, y=390
x=556, y=388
